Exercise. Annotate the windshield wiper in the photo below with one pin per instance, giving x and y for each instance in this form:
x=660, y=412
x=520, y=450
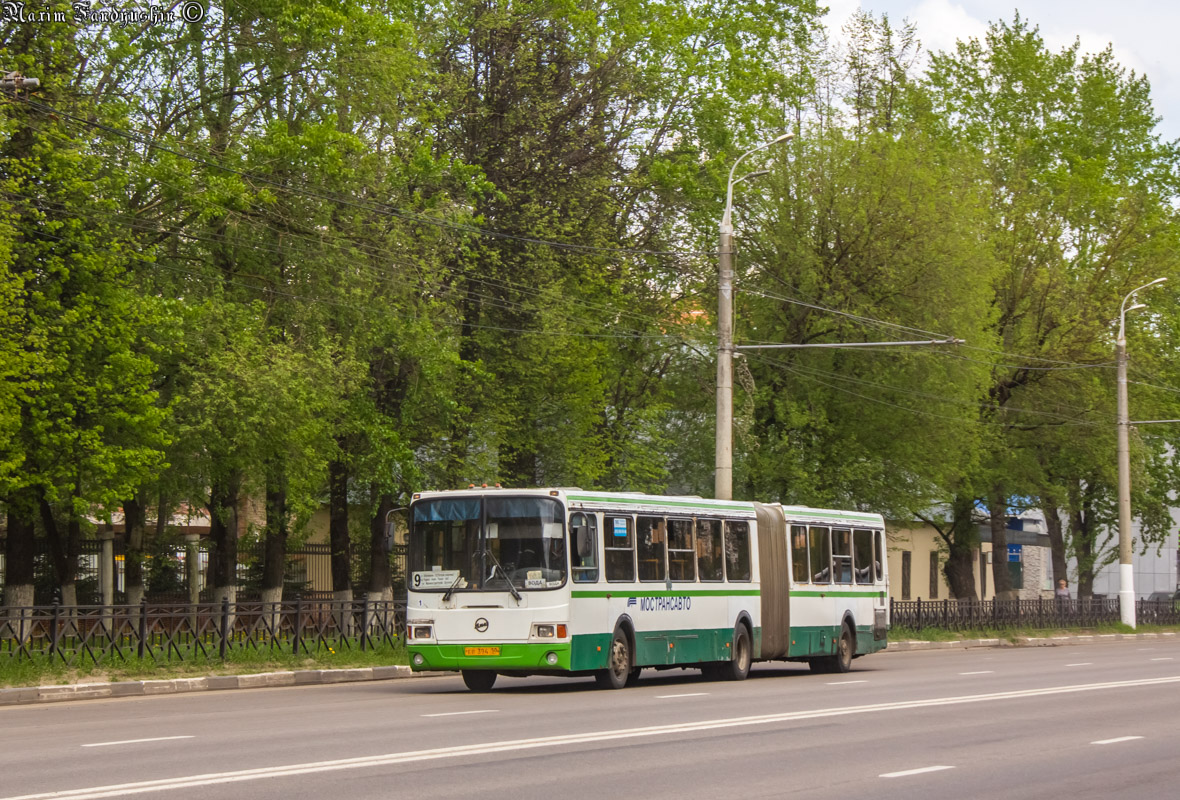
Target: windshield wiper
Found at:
x=454, y=586
x=497, y=566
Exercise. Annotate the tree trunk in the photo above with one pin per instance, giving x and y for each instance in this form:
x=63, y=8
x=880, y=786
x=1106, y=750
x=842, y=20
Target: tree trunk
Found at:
x=134, y=524
x=63, y=549
x=223, y=538
x=959, y=572
x=1056, y=542
x=19, y=560
x=1081, y=522
x=338, y=531
x=380, y=572
x=274, y=556
x=998, y=521
x=961, y=542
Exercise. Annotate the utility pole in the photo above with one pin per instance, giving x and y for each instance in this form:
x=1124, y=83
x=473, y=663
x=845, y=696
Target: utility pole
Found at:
x=723, y=458
x=1126, y=566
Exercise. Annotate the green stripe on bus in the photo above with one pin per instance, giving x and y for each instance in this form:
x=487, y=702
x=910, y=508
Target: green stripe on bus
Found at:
x=674, y=593
x=656, y=501
x=821, y=593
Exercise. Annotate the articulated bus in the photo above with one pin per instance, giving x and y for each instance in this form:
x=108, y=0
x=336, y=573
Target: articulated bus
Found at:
x=573, y=582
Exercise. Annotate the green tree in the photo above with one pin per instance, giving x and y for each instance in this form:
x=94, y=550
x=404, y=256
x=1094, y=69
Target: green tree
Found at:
x=1082, y=197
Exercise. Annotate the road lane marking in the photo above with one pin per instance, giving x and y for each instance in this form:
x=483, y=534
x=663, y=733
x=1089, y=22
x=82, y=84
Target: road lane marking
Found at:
x=1082, y=664
x=566, y=740
x=980, y=672
x=1169, y=658
x=844, y=683
x=137, y=741
x=457, y=713
x=1116, y=741
x=908, y=772
x=687, y=694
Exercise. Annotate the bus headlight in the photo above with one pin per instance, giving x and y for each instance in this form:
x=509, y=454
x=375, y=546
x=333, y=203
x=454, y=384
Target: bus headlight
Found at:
x=418, y=660
x=420, y=632
x=544, y=631
x=552, y=659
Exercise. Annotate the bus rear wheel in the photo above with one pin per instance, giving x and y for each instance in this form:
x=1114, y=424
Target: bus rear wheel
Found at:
x=618, y=664
x=841, y=662
x=479, y=680
x=738, y=667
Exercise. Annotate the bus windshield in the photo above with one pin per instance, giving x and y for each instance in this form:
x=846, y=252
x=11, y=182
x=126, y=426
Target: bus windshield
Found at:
x=487, y=543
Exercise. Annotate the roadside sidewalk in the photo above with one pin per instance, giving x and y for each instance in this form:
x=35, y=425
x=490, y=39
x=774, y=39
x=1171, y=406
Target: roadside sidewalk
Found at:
x=312, y=677
x=1025, y=641
x=305, y=677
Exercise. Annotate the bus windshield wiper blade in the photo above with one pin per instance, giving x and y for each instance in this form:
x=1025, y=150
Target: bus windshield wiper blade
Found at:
x=497, y=566
x=454, y=586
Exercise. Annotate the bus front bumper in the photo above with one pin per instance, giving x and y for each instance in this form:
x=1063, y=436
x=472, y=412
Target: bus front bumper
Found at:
x=513, y=656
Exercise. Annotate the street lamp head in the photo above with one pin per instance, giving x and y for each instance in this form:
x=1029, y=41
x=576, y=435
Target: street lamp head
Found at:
x=786, y=137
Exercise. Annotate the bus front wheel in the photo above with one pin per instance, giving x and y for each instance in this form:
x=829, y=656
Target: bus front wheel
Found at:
x=479, y=680
x=618, y=664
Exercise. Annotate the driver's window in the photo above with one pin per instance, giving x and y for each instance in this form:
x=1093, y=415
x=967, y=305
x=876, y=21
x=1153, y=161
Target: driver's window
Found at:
x=584, y=541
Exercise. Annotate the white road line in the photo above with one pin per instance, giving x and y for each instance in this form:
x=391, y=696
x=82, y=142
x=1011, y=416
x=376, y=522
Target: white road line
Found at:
x=844, y=683
x=980, y=672
x=908, y=772
x=687, y=694
x=1116, y=741
x=1082, y=664
x=1169, y=658
x=567, y=740
x=457, y=713
x=137, y=741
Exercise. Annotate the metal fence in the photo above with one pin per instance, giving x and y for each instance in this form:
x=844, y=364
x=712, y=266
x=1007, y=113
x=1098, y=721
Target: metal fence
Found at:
x=308, y=571
x=81, y=635
x=1040, y=613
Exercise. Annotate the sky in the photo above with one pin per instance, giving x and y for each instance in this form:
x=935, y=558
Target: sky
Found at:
x=1141, y=32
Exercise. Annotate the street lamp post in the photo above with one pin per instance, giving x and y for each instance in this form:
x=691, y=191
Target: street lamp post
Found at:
x=1126, y=570
x=723, y=477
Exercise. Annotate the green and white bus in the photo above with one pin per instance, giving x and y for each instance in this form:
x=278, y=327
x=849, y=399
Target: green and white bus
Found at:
x=572, y=582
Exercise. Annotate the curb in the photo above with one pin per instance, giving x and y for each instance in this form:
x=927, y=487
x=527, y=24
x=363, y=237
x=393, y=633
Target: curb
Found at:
x=305, y=677
x=1022, y=641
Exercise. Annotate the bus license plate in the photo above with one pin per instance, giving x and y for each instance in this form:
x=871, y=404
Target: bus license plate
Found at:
x=481, y=651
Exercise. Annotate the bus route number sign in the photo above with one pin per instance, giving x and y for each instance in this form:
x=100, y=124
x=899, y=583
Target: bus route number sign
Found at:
x=435, y=579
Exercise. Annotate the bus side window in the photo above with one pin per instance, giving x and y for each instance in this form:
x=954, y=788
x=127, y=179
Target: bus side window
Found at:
x=737, y=551
x=584, y=541
x=842, y=555
x=799, y=562
x=681, y=564
x=879, y=557
x=651, y=535
x=620, y=549
x=709, y=561
x=821, y=555
x=862, y=555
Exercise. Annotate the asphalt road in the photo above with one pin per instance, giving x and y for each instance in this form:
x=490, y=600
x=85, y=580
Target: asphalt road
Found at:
x=1090, y=721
